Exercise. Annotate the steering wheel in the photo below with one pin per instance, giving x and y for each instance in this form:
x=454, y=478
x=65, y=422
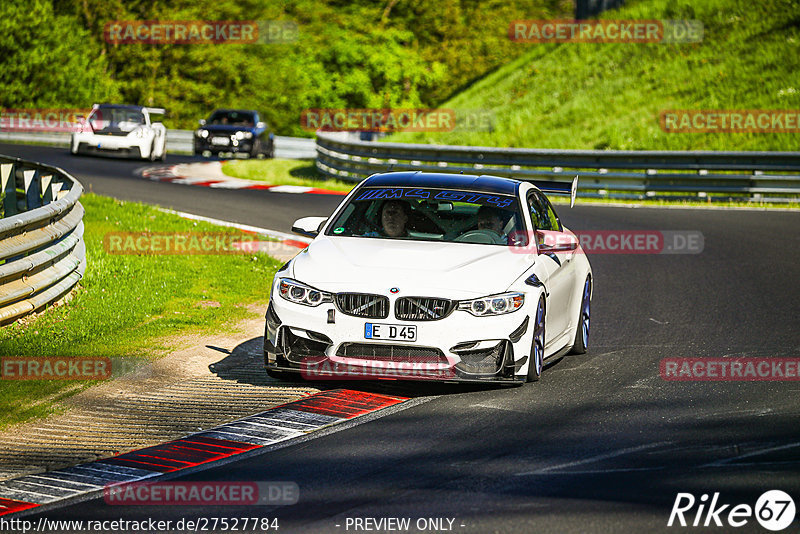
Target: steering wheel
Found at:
x=483, y=236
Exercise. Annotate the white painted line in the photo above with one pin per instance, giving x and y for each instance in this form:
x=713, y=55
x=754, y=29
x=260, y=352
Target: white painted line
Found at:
x=725, y=461
x=245, y=227
x=598, y=458
x=193, y=180
x=234, y=184
x=605, y=471
x=290, y=189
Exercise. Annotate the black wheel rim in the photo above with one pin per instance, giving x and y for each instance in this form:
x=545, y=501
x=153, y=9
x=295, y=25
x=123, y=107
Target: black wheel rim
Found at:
x=538, y=340
x=585, y=313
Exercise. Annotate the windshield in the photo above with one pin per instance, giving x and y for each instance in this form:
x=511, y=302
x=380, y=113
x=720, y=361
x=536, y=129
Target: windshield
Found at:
x=108, y=119
x=426, y=214
x=232, y=118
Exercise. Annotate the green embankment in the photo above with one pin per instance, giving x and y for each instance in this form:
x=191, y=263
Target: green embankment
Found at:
x=609, y=96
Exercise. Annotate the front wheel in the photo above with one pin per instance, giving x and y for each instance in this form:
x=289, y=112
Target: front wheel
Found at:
x=582, y=333
x=536, y=364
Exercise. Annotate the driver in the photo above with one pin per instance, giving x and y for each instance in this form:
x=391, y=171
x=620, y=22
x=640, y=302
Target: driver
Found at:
x=394, y=218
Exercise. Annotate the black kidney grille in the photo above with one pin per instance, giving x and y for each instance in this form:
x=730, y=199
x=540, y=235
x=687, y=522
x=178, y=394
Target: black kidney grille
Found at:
x=423, y=308
x=363, y=305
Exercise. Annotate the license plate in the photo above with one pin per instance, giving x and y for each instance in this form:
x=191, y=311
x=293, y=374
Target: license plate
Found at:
x=394, y=332
x=220, y=141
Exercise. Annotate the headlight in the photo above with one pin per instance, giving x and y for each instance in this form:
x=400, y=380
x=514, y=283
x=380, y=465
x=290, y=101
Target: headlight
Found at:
x=299, y=293
x=202, y=133
x=493, y=305
x=244, y=135
x=138, y=131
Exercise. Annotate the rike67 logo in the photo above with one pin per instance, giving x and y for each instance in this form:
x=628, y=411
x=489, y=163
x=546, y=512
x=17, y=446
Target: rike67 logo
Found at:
x=774, y=510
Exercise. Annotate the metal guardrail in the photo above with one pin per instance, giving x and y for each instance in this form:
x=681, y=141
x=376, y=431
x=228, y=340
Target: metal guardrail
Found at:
x=42, y=254
x=178, y=141
x=766, y=176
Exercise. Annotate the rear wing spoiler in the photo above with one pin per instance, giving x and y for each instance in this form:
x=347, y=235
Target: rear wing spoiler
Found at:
x=558, y=188
x=152, y=111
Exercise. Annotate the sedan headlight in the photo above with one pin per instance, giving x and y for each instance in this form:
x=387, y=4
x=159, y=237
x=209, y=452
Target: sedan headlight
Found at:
x=202, y=133
x=244, y=135
x=300, y=293
x=493, y=304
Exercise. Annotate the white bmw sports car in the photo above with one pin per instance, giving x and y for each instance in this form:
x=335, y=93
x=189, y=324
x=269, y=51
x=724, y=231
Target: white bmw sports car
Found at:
x=124, y=130
x=432, y=277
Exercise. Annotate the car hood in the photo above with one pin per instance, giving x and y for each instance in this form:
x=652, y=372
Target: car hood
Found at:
x=454, y=270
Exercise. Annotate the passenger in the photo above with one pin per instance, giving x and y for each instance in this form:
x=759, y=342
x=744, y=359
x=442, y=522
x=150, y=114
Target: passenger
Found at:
x=490, y=218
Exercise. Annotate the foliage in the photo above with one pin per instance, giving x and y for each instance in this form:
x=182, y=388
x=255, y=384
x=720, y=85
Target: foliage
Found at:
x=402, y=53
x=48, y=59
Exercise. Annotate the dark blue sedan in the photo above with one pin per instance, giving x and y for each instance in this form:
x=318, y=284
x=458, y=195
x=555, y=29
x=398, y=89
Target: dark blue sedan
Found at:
x=234, y=131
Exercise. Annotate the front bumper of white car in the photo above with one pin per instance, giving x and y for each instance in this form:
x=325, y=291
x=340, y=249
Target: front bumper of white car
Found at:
x=130, y=145
x=329, y=342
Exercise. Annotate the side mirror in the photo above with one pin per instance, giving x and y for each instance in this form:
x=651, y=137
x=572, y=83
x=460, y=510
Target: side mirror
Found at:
x=549, y=241
x=261, y=125
x=202, y=122
x=309, y=226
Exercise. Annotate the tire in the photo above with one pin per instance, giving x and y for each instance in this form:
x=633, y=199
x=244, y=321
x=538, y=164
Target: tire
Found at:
x=287, y=376
x=255, y=151
x=536, y=363
x=584, y=315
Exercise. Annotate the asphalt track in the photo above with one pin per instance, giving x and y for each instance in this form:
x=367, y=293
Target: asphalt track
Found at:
x=600, y=444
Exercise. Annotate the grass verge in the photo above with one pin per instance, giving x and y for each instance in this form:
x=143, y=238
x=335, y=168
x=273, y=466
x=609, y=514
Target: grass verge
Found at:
x=301, y=172
x=128, y=305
